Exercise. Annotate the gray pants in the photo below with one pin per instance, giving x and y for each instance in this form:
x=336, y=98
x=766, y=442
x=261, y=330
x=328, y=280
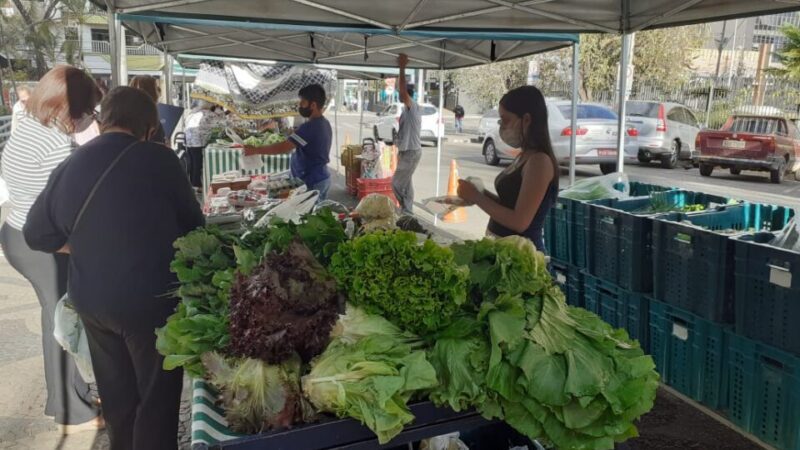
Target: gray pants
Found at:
x=402, y=182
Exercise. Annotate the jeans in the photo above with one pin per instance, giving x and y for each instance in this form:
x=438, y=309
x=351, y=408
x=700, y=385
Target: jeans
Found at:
x=402, y=182
x=323, y=187
x=459, y=125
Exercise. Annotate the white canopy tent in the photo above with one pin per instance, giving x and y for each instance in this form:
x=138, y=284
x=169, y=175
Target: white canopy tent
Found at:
x=438, y=34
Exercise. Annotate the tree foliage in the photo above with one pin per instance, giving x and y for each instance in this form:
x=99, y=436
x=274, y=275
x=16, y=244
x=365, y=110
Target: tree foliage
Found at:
x=662, y=58
x=789, y=55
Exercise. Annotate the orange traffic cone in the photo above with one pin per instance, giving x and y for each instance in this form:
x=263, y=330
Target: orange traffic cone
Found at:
x=346, y=139
x=459, y=215
x=393, y=165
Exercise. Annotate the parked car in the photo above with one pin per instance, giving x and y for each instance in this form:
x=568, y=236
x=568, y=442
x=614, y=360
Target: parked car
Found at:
x=751, y=142
x=596, y=141
x=667, y=131
x=388, y=122
x=488, y=122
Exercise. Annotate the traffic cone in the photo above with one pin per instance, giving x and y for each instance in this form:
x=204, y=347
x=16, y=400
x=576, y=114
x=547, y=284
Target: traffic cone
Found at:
x=393, y=165
x=458, y=215
x=346, y=139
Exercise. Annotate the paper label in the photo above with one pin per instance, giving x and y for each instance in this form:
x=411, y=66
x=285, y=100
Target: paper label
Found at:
x=680, y=332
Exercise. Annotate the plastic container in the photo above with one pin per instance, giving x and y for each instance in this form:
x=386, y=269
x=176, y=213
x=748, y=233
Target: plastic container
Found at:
x=689, y=353
x=767, y=294
x=693, y=256
x=619, y=236
x=570, y=279
x=764, y=391
x=618, y=307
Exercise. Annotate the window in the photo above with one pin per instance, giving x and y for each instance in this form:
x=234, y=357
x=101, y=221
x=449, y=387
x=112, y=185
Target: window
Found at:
x=692, y=120
x=393, y=110
x=782, y=128
x=675, y=115
x=755, y=125
x=588, y=112
x=100, y=34
x=642, y=109
x=428, y=110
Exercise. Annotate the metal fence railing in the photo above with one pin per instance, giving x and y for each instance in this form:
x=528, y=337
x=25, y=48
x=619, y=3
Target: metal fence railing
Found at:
x=5, y=130
x=735, y=94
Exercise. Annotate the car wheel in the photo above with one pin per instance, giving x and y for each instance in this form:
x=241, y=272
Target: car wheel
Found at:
x=706, y=170
x=670, y=161
x=643, y=159
x=375, y=133
x=608, y=168
x=490, y=153
x=394, y=136
x=776, y=176
x=736, y=171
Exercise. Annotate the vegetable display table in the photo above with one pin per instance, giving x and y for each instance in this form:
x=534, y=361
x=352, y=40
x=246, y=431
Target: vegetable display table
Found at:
x=210, y=430
x=218, y=158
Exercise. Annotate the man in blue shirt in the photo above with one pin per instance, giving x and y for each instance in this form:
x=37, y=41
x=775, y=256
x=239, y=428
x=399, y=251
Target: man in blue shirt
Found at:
x=311, y=143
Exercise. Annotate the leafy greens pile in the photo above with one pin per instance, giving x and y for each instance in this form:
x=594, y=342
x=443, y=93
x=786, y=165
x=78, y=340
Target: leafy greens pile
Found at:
x=369, y=372
x=287, y=306
x=257, y=396
x=417, y=287
x=549, y=370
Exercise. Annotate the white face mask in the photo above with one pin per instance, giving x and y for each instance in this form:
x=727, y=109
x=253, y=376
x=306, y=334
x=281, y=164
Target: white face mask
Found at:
x=512, y=136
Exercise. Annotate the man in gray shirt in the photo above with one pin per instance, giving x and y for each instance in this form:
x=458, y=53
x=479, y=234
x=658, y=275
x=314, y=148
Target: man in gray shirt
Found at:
x=409, y=145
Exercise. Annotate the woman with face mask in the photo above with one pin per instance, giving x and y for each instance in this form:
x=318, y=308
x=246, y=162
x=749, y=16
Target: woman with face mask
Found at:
x=61, y=106
x=528, y=187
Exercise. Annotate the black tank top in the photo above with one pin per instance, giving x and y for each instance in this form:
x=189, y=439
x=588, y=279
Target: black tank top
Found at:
x=508, y=184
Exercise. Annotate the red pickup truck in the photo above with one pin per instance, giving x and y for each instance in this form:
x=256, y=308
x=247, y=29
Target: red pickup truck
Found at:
x=751, y=142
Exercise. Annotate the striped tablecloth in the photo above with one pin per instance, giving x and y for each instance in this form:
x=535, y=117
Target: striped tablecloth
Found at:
x=209, y=426
x=221, y=158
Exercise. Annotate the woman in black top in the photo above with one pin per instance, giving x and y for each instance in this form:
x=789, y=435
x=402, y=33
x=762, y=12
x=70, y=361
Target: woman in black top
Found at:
x=120, y=252
x=528, y=187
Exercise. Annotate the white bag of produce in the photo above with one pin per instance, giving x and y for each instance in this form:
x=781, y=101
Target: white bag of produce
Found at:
x=252, y=162
x=789, y=237
x=69, y=333
x=613, y=185
x=445, y=442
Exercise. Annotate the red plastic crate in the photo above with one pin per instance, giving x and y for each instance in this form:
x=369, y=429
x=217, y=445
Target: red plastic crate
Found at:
x=372, y=185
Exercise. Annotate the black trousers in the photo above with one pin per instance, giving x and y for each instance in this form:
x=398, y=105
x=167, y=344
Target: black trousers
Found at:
x=195, y=165
x=68, y=397
x=141, y=401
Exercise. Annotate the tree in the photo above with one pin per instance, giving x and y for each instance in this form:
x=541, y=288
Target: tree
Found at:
x=789, y=55
x=662, y=59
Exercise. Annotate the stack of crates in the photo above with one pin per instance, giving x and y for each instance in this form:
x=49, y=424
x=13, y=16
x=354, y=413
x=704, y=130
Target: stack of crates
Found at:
x=381, y=186
x=352, y=167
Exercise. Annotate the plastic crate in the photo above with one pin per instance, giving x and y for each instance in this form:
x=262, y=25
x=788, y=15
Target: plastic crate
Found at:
x=764, y=391
x=619, y=307
x=688, y=352
x=351, y=180
x=767, y=294
x=619, y=236
x=693, y=255
x=570, y=279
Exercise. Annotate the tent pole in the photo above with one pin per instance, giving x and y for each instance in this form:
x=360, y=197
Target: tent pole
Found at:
x=627, y=45
x=361, y=108
x=574, y=118
x=336, y=124
x=438, y=125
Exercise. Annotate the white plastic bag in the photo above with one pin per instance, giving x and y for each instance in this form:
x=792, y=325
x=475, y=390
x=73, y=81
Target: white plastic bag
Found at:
x=789, y=237
x=450, y=441
x=252, y=162
x=613, y=185
x=69, y=333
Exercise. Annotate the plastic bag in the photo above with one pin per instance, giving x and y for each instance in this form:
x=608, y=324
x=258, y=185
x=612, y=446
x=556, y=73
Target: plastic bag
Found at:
x=445, y=442
x=789, y=237
x=3, y=192
x=252, y=162
x=69, y=333
x=378, y=212
x=371, y=160
x=613, y=185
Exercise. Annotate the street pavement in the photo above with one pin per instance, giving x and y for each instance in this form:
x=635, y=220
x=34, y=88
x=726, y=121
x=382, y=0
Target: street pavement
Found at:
x=22, y=423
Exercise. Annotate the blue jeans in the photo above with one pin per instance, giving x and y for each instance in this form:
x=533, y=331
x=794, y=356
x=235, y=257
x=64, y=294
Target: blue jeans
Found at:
x=321, y=186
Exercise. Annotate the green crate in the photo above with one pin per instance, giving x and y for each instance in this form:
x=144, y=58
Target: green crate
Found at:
x=618, y=307
x=619, y=236
x=764, y=391
x=570, y=279
x=767, y=294
x=693, y=255
x=688, y=352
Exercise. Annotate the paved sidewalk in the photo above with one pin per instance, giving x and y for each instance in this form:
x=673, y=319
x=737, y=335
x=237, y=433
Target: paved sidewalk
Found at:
x=23, y=425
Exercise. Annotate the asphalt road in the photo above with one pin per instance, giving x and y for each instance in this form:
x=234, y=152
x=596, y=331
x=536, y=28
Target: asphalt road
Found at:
x=750, y=186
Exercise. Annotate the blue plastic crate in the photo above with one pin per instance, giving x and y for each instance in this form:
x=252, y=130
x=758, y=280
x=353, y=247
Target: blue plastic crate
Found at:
x=764, y=391
x=619, y=236
x=767, y=294
x=618, y=307
x=689, y=353
x=570, y=279
x=693, y=255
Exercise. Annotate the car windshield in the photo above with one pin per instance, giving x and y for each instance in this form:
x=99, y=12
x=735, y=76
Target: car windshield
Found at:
x=588, y=112
x=756, y=125
x=642, y=109
x=428, y=110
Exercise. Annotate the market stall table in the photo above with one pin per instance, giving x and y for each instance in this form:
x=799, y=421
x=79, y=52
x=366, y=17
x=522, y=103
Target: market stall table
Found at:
x=221, y=158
